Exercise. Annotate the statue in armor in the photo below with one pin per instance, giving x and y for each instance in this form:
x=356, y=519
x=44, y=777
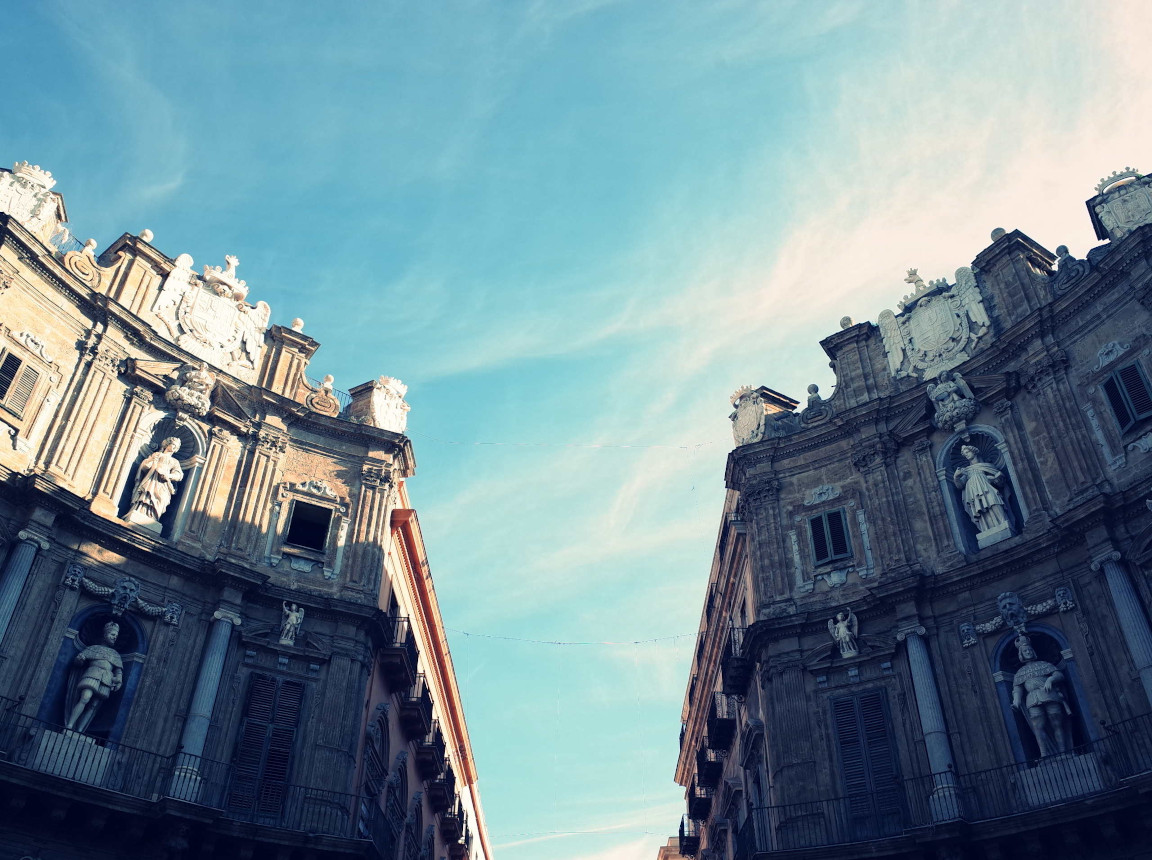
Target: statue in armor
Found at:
x=1037, y=694
x=101, y=674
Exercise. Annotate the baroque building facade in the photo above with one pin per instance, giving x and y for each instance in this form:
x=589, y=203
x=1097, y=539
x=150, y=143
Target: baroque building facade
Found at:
x=218, y=632
x=926, y=632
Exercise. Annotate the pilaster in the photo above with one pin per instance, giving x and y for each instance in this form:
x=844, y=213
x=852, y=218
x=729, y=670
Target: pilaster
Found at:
x=370, y=526
x=1130, y=613
x=76, y=436
x=127, y=441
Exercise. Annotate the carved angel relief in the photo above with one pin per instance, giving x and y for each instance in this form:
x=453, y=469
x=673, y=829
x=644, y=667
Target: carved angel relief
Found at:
x=208, y=316
x=937, y=326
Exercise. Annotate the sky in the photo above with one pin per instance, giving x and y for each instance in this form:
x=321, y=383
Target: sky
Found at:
x=574, y=228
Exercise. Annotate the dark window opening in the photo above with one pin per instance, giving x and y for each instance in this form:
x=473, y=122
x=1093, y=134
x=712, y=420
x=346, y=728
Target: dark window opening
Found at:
x=830, y=539
x=1128, y=394
x=309, y=526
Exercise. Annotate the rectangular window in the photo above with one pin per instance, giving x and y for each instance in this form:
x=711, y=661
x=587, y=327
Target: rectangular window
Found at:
x=17, y=382
x=874, y=795
x=308, y=528
x=263, y=757
x=830, y=541
x=1129, y=395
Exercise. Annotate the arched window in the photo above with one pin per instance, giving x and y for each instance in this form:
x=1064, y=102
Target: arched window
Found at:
x=376, y=755
x=428, y=852
x=412, y=827
x=395, y=796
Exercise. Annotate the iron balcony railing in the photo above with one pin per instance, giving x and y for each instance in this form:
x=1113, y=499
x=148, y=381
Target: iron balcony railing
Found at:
x=416, y=710
x=430, y=753
x=735, y=665
x=342, y=397
x=699, y=801
x=396, y=650
x=40, y=746
x=721, y=721
x=689, y=837
x=1091, y=769
x=709, y=765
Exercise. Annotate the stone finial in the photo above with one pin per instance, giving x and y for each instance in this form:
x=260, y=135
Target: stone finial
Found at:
x=845, y=322
x=297, y=324
x=90, y=247
x=146, y=235
x=999, y=233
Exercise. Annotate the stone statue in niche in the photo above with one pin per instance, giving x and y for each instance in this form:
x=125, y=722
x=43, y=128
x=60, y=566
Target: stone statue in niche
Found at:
x=290, y=626
x=155, y=485
x=102, y=675
x=984, y=503
x=845, y=631
x=1036, y=694
x=953, y=400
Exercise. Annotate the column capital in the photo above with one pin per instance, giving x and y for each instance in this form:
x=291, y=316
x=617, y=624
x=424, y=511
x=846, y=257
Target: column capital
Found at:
x=227, y=615
x=1098, y=561
x=33, y=538
x=913, y=630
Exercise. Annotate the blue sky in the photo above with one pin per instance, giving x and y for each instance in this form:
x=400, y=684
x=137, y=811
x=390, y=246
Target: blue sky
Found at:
x=574, y=228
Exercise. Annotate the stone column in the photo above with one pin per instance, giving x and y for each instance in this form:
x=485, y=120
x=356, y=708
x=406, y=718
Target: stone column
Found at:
x=186, y=776
x=15, y=575
x=1130, y=614
x=945, y=801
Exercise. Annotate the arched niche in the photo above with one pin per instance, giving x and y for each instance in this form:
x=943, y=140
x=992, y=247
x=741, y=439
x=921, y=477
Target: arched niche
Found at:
x=86, y=628
x=992, y=449
x=1052, y=647
x=191, y=456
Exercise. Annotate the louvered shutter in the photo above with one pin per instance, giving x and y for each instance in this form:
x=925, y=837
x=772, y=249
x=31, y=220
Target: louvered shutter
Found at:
x=816, y=527
x=21, y=392
x=838, y=535
x=8, y=370
x=248, y=761
x=1119, y=404
x=874, y=796
x=263, y=758
x=1136, y=388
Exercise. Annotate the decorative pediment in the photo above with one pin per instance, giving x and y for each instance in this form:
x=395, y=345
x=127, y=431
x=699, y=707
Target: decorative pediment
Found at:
x=937, y=327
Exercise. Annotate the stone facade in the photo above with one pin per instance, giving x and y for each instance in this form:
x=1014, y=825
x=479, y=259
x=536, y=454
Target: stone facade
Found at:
x=212, y=572
x=926, y=633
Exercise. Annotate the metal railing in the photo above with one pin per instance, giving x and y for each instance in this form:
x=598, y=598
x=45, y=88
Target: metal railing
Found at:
x=41, y=746
x=342, y=397
x=1091, y=769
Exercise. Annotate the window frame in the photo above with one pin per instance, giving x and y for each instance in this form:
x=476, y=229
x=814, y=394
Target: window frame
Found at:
x=302, y=558
x=1125, y=396
x=826, y=530
x=26, y=417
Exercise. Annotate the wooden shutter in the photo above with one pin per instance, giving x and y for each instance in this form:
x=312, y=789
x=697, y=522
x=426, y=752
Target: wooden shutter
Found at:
x=1136, y=388
x=820, y=552
x=21, y=392
x=8, y=370
x=874, y=796
x=264, y=744
x=838, y=535
x=1119, y=403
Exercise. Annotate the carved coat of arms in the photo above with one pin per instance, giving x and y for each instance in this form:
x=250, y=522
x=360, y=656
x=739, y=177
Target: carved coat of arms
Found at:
x=208, y=315
x=937, y=326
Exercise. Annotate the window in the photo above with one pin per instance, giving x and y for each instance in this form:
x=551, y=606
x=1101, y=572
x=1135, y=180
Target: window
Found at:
x=868, y=766
x=264, y=746
x=308, y=528
x=1129, y=395
x=17, y=382
x=830, y=540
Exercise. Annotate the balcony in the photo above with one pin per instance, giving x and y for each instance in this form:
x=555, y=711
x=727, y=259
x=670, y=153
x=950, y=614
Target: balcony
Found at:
x=396, y=650
x=735, y=664
x=699, y=801
x=1113, y=771
x=709, y=765
x=45, y=763
x=461, y=848
x=430, y=752
x=415, y=710
x=721, y=721
x=452, y=825
x=442, y=790
x=689, y=837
